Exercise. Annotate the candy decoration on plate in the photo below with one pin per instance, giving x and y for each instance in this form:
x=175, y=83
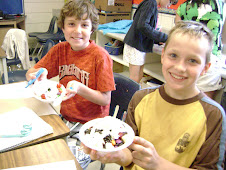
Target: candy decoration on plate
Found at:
x=49, y=91
x=106, y=134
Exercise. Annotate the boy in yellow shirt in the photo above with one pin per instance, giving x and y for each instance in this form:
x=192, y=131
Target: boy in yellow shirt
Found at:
x=176, y=125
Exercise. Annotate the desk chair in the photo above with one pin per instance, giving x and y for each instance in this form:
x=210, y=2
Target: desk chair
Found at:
x=49, y=31
x=56, y=37
x=19, y=75
x=49, y=44
x=120, y=98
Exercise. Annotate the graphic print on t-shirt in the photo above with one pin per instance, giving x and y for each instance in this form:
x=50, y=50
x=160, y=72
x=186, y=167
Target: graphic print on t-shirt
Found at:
x=68, y=70
x=182, y=143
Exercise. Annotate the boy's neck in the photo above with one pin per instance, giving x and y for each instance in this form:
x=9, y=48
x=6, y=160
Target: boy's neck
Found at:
x=181, y=95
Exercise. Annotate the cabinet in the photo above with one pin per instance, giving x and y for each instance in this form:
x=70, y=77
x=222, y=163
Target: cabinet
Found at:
x=152, y=66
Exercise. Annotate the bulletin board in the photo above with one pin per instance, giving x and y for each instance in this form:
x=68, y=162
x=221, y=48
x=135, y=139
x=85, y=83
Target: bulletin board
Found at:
x=174, y=7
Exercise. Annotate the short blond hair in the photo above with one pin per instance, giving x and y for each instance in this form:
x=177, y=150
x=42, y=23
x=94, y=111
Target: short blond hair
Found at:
x=79, y=8
x=193, y=29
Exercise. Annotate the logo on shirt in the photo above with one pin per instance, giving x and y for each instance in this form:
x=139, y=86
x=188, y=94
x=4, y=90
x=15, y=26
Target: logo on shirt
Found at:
x=69, y=70
x=182, y=143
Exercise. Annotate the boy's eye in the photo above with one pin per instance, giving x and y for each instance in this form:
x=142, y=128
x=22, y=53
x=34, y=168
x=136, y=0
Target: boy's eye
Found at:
x=71, y=24
x=173, y=55
x=193, y=61
x=85, y=25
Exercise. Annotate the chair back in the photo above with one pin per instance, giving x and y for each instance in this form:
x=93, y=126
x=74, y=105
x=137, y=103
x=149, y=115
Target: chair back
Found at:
x=59, y=36
x=52, y=25
x=125, y=88
x=49, y=44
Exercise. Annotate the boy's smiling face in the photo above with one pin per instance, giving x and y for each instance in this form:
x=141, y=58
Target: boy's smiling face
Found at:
x=77, y=32
x=183, y=61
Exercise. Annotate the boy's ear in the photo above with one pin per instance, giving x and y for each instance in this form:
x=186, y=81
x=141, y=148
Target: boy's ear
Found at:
x=206, y=68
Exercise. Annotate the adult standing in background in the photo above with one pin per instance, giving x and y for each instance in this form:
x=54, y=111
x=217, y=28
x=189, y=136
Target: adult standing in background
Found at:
x=210, y=13
x=142, y=35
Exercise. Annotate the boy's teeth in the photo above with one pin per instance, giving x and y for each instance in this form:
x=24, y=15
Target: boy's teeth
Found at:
x=177, y=77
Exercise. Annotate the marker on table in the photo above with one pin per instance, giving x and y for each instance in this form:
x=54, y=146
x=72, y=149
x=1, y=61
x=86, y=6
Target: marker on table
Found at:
x=37, y=76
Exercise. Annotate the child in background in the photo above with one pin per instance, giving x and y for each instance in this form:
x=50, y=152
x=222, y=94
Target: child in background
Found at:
x=84, y=68
x=142, y=35
x=176, y=125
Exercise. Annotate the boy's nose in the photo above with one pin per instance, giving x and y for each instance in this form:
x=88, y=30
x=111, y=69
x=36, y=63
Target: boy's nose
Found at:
x=77, y=28
x=180, y=66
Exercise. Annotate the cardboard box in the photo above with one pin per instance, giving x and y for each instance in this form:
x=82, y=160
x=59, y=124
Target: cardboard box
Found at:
x=112, y=17
x=114, y=5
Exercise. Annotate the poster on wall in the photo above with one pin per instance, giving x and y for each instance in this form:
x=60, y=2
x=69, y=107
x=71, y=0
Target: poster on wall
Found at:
x=171, y=10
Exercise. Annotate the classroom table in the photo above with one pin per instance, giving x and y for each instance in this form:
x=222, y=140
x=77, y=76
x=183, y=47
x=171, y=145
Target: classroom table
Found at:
x=44, y=110
x=60, y=130
x=48, y=152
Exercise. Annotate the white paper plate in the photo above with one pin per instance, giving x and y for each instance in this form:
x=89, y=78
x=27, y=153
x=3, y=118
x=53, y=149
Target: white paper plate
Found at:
x=49, y=88
x=109, y=125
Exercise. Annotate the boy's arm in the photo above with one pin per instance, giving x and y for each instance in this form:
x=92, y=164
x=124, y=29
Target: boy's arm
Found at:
x=143, y=24
x=95, y=96
x=177, y=18
x=211, y=154
x=145, y=156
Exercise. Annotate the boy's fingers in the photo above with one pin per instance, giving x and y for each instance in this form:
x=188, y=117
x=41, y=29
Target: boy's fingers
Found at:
x=143, y=142
x=68, y=96
x=141, y=145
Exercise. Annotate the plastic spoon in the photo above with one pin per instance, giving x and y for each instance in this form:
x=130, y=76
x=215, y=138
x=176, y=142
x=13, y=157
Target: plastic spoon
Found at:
x=37, y=76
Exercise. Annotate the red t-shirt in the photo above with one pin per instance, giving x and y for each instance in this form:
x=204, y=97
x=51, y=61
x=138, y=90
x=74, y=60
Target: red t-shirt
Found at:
x=91, y=66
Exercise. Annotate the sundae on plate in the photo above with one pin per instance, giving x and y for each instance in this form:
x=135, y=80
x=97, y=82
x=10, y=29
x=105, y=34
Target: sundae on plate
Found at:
x=106, y=134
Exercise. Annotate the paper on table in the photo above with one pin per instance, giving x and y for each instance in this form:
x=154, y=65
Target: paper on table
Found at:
x=15, y=90
x=69, y=165
x=10, y=121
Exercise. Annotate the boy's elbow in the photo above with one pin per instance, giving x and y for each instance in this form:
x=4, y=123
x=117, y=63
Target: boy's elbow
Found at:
x=106, y=102
x=107, y=99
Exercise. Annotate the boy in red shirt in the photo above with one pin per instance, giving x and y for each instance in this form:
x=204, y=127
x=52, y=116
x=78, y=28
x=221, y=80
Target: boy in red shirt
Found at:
x=84, y=68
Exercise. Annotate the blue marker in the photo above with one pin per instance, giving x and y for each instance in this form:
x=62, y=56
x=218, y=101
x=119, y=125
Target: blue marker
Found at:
x=37, y=75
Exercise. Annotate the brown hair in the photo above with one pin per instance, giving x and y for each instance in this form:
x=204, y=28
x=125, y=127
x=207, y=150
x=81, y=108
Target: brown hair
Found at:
x=79, y=8
x=193, y=29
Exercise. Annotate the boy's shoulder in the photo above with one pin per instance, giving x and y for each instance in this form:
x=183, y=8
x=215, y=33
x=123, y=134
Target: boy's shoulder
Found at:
x=140, y=94
x=98, y=48
x=206, y=102
x=211, y=106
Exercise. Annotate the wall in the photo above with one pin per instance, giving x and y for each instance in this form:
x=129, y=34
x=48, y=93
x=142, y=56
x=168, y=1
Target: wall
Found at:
x=38, y=15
